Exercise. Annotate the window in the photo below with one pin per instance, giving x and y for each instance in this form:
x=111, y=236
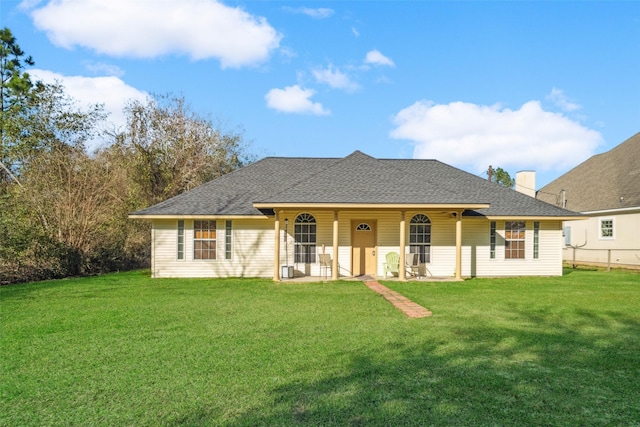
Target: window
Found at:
x=492, y=253
x=514, y=232
x=305, y=239
x=204, y=239
x=566, y=232
x=180, y=239
x=606, y=228
x=227, y=240
x=420, y=237
x=536, y=240
x=363, y=227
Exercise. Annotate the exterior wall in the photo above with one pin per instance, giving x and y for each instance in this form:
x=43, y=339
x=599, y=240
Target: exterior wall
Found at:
x=476, y=259
x=253, y=246
x=476, y=242
x=252, y=250
x=623, y=248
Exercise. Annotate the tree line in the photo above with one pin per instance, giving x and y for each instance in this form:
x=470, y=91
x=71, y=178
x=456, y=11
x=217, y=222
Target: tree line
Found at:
x=63, y=209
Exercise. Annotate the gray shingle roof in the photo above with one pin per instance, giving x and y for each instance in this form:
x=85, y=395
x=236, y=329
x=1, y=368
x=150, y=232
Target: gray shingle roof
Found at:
x=355, y=179
x=599, y=182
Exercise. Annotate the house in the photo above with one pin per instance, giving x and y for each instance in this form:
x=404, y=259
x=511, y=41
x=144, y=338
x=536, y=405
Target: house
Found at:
x=279, y=217
x=606, y=189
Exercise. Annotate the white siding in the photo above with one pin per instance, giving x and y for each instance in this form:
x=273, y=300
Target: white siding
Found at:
x=252, y=250
x=253, y=246
x=549, y=262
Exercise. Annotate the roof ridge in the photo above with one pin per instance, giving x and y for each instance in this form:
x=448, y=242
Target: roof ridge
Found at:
x=339, y=160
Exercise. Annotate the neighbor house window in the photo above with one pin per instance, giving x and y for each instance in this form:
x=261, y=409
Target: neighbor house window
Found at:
x=492, y=253
x=536, y=240
x=420, y=237
x=514, y=232
x=180, y=239
x=227, y=240
x=566, y=232
x=305, y=239
x=606, y=228
x=204, y=239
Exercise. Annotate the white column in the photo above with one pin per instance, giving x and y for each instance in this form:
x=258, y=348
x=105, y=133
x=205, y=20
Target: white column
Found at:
x=334, y=263
x=458, y=245
x=276, y=249
x=401, y=268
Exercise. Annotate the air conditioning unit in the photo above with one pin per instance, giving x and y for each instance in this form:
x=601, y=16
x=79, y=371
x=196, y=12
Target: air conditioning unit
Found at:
x=287, y=272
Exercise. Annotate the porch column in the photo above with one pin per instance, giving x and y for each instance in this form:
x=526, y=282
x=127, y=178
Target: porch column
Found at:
x=334, y=263
x=458, y=245
x=401, y=270
x=276, y=249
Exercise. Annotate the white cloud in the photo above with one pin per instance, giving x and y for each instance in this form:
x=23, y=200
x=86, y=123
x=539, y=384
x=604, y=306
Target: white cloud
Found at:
x=477, y=136
x=105, y=69
x=294, y=99
x=376, y=58
x=110, y=91
x=355, y=31
x=146, y=29
x=318, y=13
x=335, y=78
x=558, y=97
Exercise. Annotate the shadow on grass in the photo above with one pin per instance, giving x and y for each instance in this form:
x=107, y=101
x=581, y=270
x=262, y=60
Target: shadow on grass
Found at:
x=541, y=368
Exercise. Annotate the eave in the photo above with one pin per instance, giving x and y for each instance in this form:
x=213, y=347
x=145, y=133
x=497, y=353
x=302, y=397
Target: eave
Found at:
x=534, y=217
x=167, y=216
x=372, y=206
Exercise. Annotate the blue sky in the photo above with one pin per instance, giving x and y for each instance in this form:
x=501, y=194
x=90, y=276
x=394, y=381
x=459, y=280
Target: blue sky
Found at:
x=519, y=85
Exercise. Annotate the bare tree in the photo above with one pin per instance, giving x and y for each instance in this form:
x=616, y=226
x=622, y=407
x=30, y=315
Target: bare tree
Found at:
x=172, y=149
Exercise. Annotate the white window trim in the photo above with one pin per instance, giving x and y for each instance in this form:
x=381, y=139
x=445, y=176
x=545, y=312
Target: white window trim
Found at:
x=613, y=228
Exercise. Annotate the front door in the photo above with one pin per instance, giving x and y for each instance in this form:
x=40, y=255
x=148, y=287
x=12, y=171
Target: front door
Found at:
x=363, y=248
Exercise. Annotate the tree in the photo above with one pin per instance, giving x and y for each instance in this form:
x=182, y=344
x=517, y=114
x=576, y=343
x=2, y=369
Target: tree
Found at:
x=501, y=177
x=50, y=119
x=50, y=210
x=15, y=90
x=171, y=149
x=82, y=199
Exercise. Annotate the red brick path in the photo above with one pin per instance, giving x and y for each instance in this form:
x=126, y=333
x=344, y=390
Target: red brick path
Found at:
x=405, y=305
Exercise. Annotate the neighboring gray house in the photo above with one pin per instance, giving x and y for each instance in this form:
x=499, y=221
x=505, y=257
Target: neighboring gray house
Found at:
x=606, y=189
x=342, y=216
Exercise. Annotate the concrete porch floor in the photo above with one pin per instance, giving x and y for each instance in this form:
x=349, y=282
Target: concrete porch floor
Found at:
x=364, y=278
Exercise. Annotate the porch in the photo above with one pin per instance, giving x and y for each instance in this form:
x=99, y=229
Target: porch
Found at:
x=342, y=238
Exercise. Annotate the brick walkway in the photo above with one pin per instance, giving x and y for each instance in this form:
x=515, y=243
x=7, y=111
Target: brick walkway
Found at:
x=402, y=303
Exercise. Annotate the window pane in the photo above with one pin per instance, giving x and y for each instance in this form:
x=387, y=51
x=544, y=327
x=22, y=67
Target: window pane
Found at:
x=204, y=243
x=420, y=237
x=606, y=228
x=180, y=248
x=514, y=232
x=536, y=240
x=227, y=240
x=305, y=239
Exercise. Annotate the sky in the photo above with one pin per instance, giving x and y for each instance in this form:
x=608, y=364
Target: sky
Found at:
x=521, y=85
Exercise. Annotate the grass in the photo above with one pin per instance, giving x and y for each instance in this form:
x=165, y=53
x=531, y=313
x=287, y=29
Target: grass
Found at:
x=123, y=349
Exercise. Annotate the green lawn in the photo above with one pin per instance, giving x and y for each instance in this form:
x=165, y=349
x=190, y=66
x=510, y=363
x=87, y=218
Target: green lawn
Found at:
x=123, y=349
